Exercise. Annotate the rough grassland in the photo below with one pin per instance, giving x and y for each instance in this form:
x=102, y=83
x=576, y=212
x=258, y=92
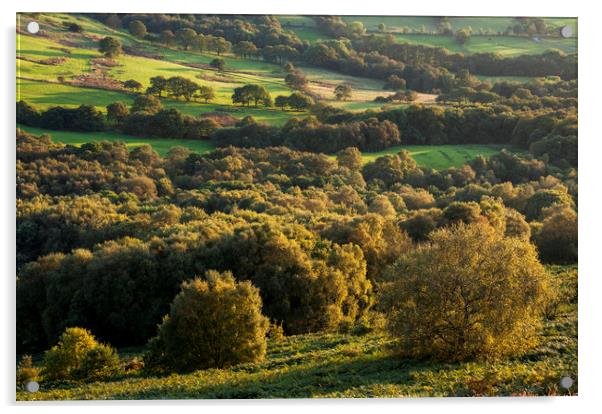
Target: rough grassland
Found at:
x=493, y=24
x=347, y=365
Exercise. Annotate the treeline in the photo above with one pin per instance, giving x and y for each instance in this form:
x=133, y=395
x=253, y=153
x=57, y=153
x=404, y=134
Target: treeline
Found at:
x=311, y=135
x=216, y=33
x=334, y=129
x=146, y=117
x=552, y=134
x=539, y=93
x=430, y=74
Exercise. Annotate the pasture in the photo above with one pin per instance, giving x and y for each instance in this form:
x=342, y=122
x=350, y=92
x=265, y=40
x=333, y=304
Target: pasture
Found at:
x=78, y=62
x=488, y=41
x=504, y=45
x=161, y=145
x=429, y=23
x=439, y=156
x=44, y=95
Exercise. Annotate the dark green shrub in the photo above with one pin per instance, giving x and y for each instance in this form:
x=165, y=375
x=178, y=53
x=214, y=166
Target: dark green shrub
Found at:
x=98, y=363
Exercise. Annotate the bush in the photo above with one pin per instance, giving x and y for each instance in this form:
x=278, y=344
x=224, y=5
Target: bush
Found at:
x=306, y=283
x=99, y=363
x=276, y=332
x=213, y=323
x=77, y=355
x=66, y=356
x=557, y=239
x=26, y=372
x=469, y=293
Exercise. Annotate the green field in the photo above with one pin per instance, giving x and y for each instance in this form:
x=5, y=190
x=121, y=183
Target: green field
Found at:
x=494, y=79
x=505, y=45
x=491, y=24
x=348, y=365
x=38, y=83
x=47, y=85
x=44, y=95
x=488, y=42
x=439, y=156
x=140, y=68
x=161, y=145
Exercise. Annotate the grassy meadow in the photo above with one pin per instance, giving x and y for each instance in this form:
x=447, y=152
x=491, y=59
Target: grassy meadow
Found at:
x=439, y=156
x=504, y=45
x=493, y=24
x=44, y=95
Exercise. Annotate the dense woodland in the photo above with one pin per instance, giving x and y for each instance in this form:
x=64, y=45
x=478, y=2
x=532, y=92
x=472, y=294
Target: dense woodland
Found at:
x=109, y=213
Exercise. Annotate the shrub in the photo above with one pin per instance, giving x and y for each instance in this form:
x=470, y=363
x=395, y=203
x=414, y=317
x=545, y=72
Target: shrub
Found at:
x=546, y=198
x=557, y=239
x=65, y=358
x=27, y=114
x=26, y=372
x=462, y=212
x=308, y=284
x=78, y=356
x=469, y=293
x=212, y=323
x=98, y=363
x=276, y=332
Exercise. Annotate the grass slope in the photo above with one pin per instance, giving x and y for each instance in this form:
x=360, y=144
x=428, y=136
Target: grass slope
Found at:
x=161, y=145
x=505, y=45
x=347, y=365
x=54, y=40
x=439, y=156
x=44, y=95
x=487, y=23
x=163, y=61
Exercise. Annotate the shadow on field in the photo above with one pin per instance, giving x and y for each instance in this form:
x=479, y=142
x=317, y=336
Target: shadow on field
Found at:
x=294, y=382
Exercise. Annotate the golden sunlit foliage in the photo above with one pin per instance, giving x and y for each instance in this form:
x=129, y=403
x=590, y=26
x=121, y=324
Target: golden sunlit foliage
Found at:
x=215, y=322
x=469, y=292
